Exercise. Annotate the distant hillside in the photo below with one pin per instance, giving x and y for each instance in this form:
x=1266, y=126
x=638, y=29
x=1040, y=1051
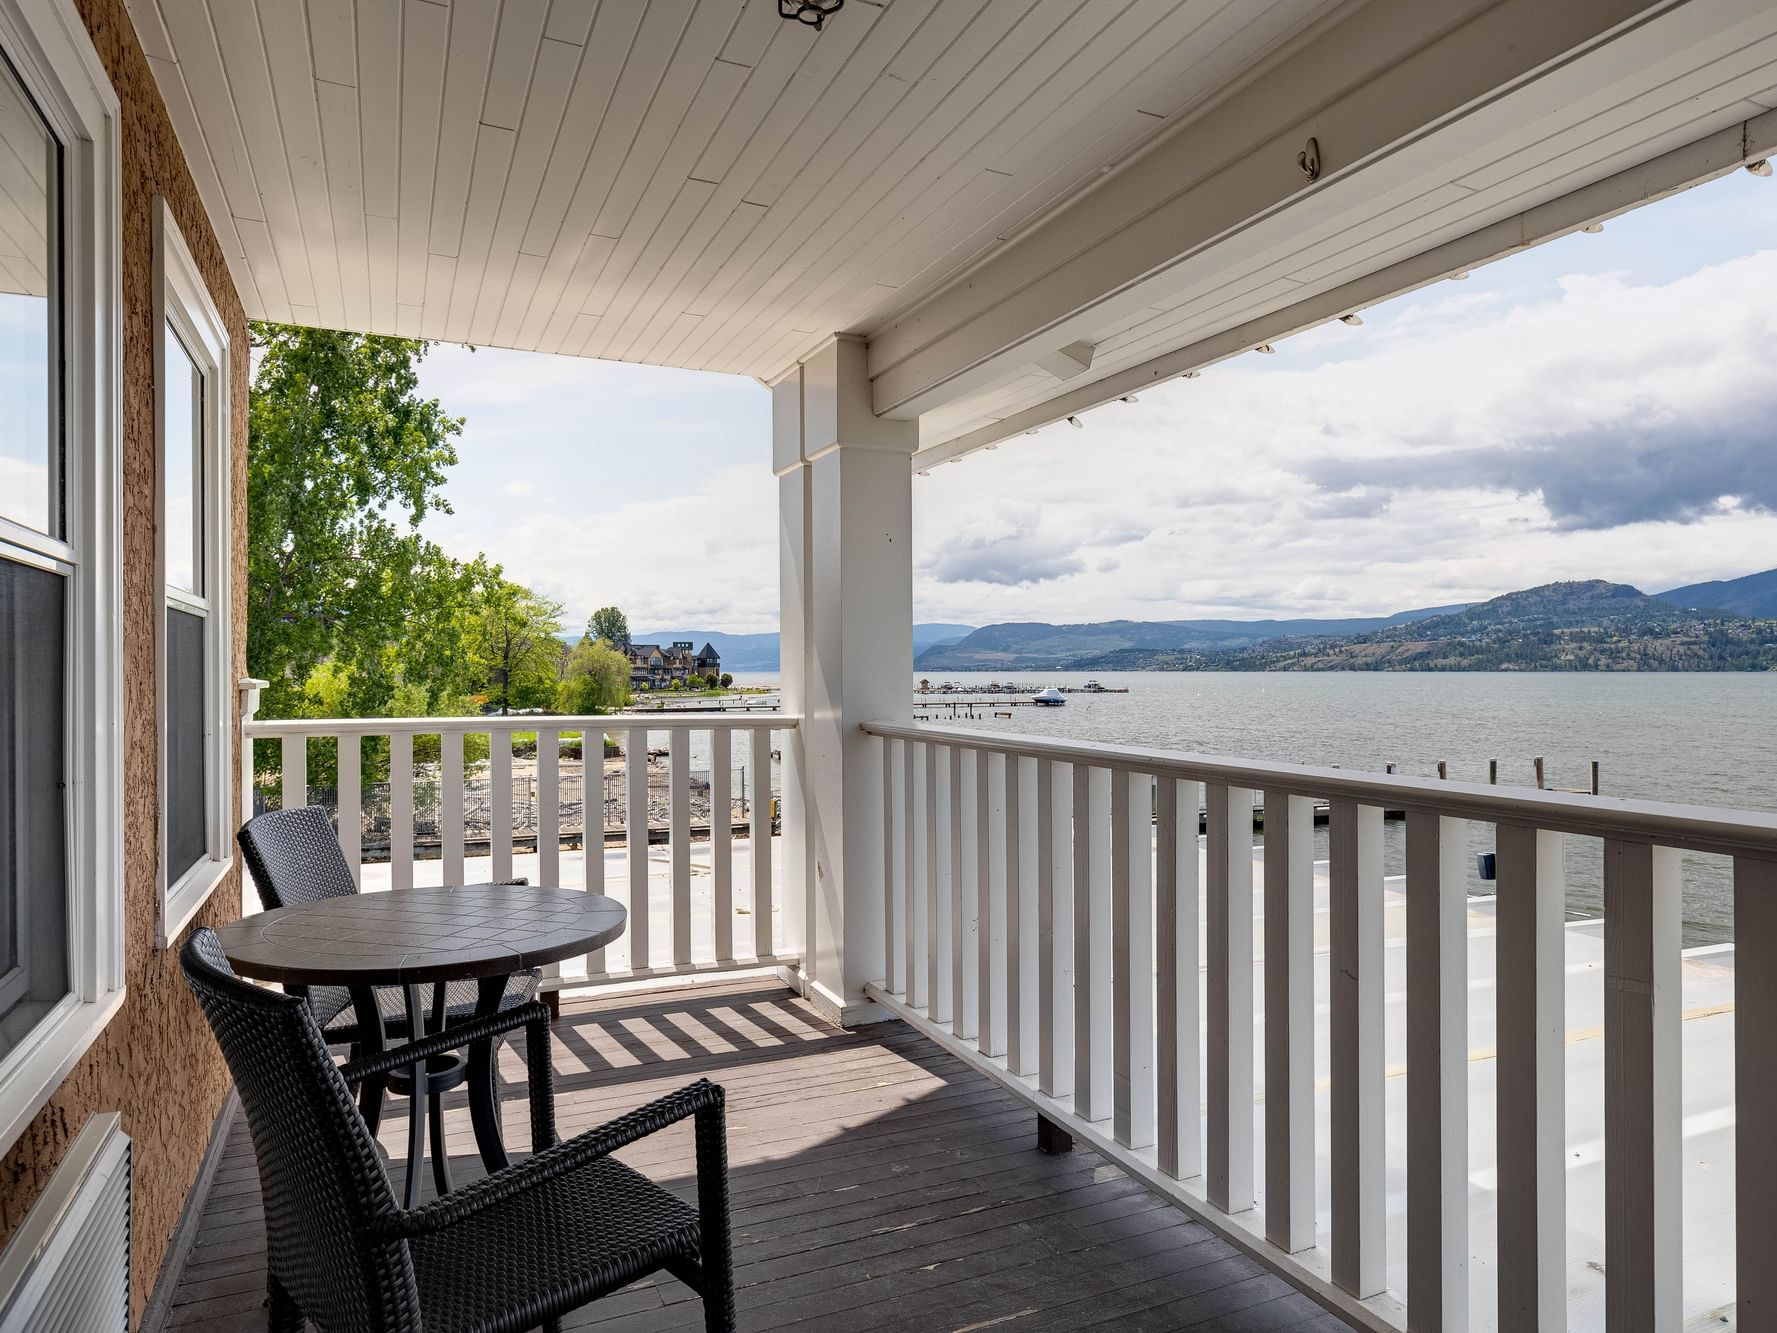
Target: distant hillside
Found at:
x=759, y=652
x=1584, y=626
x=1034, y=645
x=1753, y=595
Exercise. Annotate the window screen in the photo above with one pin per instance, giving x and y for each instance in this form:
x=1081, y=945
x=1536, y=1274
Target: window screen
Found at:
x=33, y=775
x=186, y=807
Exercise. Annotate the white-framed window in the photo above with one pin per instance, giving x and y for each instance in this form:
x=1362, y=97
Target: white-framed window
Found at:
x=191, y=399
x=61, y=662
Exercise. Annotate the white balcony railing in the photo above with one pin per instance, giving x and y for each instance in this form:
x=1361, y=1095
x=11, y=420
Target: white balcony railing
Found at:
x=700, y=892
x=1042, y=921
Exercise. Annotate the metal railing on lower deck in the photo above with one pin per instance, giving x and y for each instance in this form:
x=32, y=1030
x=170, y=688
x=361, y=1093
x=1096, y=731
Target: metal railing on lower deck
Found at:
x=1041, y=918
x=707, y=927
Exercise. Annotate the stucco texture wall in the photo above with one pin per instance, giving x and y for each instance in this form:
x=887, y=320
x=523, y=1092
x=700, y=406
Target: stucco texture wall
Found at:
x=156, y=1062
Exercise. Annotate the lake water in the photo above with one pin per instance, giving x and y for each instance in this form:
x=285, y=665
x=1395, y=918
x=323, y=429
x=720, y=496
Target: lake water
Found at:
x=1701, y=739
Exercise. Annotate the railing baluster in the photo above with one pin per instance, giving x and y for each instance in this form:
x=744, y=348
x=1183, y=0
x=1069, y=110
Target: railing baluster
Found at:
x=592, y=824
x=350, y=762
x=1092, y=943
x=1176, y=907
x=722, y=843
x=1437, y=1073
x=1229, y=1029
x=937, y=831
x=1755, y=1084
x=1021, y=915
x=759, y=832
x=296, y=771
x=965, y=777
x=450, y=805
x=549, y=809
x=991, y=1037
x=679, y=815
x=549, y=822
x=401, y=810
x=1530, y=1074
x=499, y=776
x=1055, y=928
x=1643, y=1177
x=1132, y=958
x=1355, y=992
x=894, y=841
x=635, y=821
x=913, y=901
x=1289, y=1021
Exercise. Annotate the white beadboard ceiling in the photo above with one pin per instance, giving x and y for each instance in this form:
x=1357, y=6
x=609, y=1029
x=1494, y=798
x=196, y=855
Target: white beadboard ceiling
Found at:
x=685, y=182
x=974, y=185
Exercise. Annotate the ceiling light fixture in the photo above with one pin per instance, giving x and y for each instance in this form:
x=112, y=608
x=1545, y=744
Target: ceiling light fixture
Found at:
x=1759, y=168
x=924, y=473
x=1352, y=320
x=1031, y=431
x=1264, y=349
x=992, y=447
x=1592, y=228
x=811, y=12
x=1127, y=398
x=1192, y=374
x=1076, y=423
x=1461, y=275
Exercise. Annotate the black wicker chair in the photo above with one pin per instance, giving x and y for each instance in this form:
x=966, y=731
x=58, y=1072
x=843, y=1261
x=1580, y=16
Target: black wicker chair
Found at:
x=294, y=857
x=513, y=1251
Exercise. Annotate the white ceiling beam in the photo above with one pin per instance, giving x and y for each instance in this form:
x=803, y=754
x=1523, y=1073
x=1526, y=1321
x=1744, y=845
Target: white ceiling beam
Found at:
x=1395, y=96
x=1705, y=159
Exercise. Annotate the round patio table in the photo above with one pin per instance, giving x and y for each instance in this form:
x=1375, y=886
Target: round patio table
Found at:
x=413, y=938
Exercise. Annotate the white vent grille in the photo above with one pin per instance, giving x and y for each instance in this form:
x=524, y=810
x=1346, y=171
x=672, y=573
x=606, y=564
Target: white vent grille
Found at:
x=68, y=1268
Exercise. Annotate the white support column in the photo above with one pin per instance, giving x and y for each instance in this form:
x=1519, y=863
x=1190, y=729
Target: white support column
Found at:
x=845, y=524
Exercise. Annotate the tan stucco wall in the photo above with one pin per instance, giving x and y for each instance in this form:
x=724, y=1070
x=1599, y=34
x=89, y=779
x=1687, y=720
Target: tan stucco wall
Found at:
x=156, y=1062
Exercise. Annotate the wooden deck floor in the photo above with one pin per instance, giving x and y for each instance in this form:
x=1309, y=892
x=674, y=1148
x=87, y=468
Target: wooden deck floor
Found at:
x=877, y=1183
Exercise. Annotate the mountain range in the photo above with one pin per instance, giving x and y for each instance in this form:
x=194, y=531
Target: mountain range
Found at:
x=1589, y=625
x=1597, y=621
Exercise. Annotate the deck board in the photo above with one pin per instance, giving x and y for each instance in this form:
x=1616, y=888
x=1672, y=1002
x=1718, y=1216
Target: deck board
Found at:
x=876, y=1183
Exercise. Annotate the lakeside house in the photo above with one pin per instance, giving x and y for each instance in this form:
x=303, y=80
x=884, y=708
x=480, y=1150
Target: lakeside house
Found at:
x=653, y=667
x=928, y=229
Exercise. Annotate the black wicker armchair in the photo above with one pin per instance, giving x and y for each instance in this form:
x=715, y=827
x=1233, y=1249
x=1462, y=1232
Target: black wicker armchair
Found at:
x=294, y=857
x=513, y=1251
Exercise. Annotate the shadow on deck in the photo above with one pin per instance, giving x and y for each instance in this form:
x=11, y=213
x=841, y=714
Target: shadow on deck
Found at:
x=877, y=1183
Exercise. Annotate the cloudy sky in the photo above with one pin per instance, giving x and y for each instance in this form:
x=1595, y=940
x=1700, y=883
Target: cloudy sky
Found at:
x=1602, y=407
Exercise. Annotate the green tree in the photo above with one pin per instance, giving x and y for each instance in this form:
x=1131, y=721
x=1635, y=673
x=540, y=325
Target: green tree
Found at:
x=595, y=678
x=345, y=459
x=515, y=643
x=611, y=625
x=727, y=680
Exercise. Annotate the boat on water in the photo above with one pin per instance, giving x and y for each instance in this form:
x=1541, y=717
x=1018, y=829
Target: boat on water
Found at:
x=1092, y=687
x=1049, y=698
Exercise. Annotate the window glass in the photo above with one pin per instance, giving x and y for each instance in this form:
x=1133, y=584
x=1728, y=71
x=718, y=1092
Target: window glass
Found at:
x=30, y=448
x=187, y=797
x=33, y=767
x=184, y=463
